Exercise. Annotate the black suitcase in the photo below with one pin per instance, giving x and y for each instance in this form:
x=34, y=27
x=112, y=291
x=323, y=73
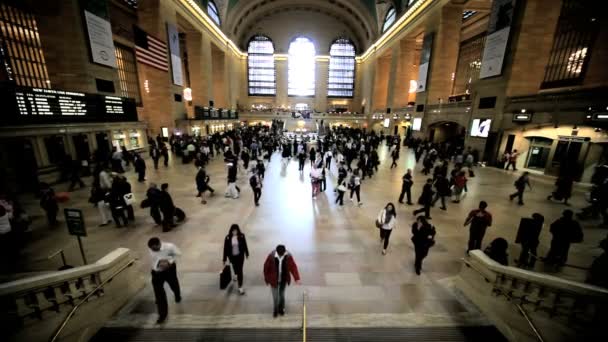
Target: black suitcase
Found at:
x=225, y=277
x=180, y=215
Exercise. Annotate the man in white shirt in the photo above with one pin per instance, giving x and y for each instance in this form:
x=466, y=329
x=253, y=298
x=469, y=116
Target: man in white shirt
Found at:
x=163, y=255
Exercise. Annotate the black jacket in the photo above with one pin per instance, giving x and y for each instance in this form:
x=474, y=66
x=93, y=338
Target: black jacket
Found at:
x=166, y=202
x=420, y=237
x=201, y=180
x=427, y=195
x=228, y=246
x=407, y=181
x=443, y=186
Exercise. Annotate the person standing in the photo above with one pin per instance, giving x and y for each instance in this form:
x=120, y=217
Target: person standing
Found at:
x=512, y=160
x=256, y=185
x=98, y=198
x=75, y=175
x=527, y=236
x=301, y=160
x=406, y=187
x=520, y=185
x=165, y=153
x=166, y=207
x=155, y=155
x=164, y=269
x=235, y=252
x=479, y=219
x=342, y=173
x=279, y=267
x=386, y=221
x=460, y=185
x=426, y=199
x=423, y=237
x=313, y=156
x=232, y=190
x=565, y=231
x=328, y=156
x=140, y=167
x=563, y=190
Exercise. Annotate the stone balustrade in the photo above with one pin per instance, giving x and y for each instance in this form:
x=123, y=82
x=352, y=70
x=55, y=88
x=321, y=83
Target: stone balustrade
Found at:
x=31, y=308
x=558, y=307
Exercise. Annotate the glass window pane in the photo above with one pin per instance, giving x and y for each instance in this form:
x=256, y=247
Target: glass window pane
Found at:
x=341, y=81
x=213, y=12
x=301, y=72
x=389, y=19
x=260, y=62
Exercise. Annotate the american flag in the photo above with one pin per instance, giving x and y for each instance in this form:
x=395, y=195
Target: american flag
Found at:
x=149, y=50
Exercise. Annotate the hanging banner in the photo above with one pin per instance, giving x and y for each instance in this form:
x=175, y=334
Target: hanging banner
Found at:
x=100, y=40
x=425, y=60
x=176, y=61
x=499, y=29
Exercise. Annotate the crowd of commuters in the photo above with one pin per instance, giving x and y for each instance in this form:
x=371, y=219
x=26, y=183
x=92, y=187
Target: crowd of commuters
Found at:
x=352, y=156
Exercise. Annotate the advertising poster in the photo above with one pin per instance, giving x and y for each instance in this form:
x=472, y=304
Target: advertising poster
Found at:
x=176, y=61
x=499, y=27
x=425, y=59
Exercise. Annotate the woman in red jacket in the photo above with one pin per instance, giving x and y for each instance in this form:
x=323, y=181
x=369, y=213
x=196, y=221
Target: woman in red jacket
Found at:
x=278, y=269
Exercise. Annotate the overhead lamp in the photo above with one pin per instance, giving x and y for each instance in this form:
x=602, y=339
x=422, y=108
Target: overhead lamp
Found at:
x=188, y=94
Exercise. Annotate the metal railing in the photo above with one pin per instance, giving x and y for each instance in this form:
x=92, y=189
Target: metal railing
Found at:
x=66, y=320
x=304, y=295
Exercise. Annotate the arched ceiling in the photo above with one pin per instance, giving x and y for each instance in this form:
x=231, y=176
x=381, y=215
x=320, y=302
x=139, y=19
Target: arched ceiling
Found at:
x=321, y=20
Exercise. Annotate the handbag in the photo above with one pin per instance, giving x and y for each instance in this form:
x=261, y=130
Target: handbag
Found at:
x=341, y=188
x=129, y=198
x=225, y=277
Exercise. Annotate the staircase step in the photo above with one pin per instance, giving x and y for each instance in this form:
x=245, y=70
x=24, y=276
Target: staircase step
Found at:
x=423, y=334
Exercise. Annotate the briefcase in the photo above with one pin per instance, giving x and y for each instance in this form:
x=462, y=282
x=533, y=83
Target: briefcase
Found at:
x=225, y=277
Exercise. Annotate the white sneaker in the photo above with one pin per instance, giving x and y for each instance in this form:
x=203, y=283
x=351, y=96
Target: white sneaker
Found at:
x=360, y=204
x=241, y=291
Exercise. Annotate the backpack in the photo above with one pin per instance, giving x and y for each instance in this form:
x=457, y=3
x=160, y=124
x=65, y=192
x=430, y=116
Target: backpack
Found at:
x=253, y=181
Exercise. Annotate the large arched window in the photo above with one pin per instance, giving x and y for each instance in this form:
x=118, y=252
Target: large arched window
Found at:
x=260, y=65
x=341, y=69
x=301, y=67
x=213, y=12
x=389, y=19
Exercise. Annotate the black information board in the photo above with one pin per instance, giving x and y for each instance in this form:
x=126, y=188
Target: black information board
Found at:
x=75, y=221
x=25, y=105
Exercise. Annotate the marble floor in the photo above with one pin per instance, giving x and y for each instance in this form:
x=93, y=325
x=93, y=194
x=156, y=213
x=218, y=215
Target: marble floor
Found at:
x=345, y=278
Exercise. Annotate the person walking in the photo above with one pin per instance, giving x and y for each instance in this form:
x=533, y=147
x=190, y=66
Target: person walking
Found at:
x=520, y=185
x=423, y=238
x=328, y=156
x=355, y=186
x=166, y=207
x=426, y=199
x=565, y=231
x=48, y=202
x=442, y=186
x=406, y=187
x=341, y=189
x=118, y=204
x=232, y=190
x=98, y=198
x=76, y=167
x=479, y=219
x=395, y=156
x=164, y=269
x=164, y=152
x=202, y=183
x=460, y=185
x=279, y=267
x=527, y=236
x=140, y=167
x=235, y=252
x=301, y=160
x=563, y=190
x=386, y=221
x=154, y=196
x=512, y=160
x=256, y=185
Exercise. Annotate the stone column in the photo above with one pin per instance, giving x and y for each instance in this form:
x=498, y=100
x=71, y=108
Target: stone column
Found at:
x=321, y=79
x=405, y=70
x=281, y=68
x=199, y=60
x=392, y=76
x=444, y=55
x=380, y=84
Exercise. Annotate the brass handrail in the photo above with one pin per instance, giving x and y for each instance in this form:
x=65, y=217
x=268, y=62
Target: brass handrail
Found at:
x=303, y=316
x=84, y=300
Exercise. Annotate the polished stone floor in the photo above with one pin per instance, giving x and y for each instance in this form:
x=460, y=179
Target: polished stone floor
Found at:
x=346, y=279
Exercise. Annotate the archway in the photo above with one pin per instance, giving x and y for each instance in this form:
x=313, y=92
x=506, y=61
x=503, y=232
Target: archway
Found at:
x=446, y=131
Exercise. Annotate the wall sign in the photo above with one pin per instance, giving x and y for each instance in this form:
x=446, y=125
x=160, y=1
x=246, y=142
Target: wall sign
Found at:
x=25, y=105
x=499, y=29
x=523, y=117
x=100, y=40
x=176, y=61
x=425, y=60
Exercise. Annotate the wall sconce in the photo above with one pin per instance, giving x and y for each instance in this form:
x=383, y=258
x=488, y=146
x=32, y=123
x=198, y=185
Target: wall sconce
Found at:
x=188, y=94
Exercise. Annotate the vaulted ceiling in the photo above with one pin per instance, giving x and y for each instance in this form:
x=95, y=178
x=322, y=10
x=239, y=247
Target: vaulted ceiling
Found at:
x=321, y=20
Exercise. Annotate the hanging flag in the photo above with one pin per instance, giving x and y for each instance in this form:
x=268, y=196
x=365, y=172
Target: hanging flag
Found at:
x=149, y=50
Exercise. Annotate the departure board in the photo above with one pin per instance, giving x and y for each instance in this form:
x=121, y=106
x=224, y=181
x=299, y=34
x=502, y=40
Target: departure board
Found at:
x=36, y=105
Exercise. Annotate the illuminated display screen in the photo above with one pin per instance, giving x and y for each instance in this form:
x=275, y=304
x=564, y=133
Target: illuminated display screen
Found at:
x=35, y=105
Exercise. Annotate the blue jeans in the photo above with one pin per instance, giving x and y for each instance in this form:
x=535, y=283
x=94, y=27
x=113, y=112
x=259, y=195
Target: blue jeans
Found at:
x=278, y=297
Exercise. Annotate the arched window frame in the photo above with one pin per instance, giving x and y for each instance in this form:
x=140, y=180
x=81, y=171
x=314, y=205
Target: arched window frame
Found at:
x=389, y=19
x=257, y=82
x=295, y=66
x=341, y=79
x=213, y=12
